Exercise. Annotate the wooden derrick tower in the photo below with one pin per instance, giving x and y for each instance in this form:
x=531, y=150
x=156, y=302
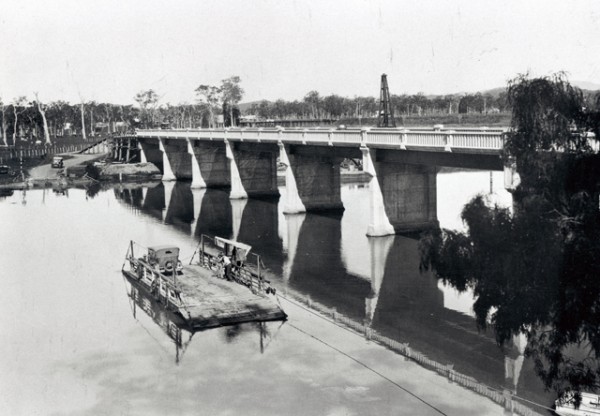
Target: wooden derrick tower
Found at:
x=386, y=114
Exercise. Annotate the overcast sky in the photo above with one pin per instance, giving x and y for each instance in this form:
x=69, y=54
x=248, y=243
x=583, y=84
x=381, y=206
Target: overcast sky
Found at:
x=109, y=50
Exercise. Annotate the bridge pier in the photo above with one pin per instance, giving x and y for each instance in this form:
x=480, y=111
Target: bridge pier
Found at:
x=237, y=189
x=143, y=158
x=176, y=160
x=253, y=169
x=316, y=173
x=408, y=193
x=197, y=179
x=379, y=223
x=292, y=204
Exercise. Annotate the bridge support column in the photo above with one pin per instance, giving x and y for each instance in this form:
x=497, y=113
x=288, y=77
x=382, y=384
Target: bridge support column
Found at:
x=143, y=158
x=316, y=172
x=197, y=180
x=379, y=223
x=409, y=192
x=292, y=204
x=168, y=174
x=237, y=188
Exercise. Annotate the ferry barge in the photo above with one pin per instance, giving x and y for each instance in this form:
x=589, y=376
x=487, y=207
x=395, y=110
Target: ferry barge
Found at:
x=220, y=288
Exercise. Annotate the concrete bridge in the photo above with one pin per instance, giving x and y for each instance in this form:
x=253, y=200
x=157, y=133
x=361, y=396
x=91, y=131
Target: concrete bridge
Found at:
x=400, y=162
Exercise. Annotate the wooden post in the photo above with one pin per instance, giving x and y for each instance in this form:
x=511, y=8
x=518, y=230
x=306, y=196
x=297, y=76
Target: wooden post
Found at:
x=258, y=269
x=202, y=248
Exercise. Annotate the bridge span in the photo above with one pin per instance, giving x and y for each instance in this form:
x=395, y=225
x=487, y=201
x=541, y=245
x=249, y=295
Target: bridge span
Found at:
x=401, y=165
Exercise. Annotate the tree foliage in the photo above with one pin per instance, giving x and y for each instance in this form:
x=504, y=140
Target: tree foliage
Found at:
x=535, y=271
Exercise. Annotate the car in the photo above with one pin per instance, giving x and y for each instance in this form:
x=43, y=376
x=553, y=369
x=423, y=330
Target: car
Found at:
x=57, y=162
x=164, y=258
x=3, y=169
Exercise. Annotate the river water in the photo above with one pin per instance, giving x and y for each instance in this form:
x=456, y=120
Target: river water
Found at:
x=79, y=339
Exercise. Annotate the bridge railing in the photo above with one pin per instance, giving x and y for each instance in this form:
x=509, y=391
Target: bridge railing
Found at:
x=477, y=139
x=474, y=140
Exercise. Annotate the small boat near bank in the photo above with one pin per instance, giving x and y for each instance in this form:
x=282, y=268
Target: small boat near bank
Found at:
x=589, y=405
x=219, y=288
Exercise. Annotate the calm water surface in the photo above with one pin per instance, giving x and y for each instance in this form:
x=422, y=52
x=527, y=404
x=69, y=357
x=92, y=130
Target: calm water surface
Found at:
x=80, y=339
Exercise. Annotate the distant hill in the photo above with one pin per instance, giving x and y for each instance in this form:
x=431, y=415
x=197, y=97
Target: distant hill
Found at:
x=586, y=85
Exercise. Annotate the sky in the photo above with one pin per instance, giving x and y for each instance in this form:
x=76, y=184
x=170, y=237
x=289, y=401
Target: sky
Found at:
x=110, y=50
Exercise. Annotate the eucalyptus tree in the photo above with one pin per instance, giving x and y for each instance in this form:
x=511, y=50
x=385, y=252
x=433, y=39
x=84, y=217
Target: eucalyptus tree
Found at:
x=19, y=105
x=148, y=101
x=334, y=105
x=42, y=109
x=209, y=96
x=313, y=100
x=535, y=270
x=232, y=94
x=92, y=105
x=3, y=110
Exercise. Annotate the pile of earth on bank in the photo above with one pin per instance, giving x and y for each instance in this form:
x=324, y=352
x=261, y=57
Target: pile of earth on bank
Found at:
x=129, y=171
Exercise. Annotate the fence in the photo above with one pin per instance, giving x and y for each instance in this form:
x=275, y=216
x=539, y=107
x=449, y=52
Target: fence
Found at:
x=11, y=153
x=503, y=398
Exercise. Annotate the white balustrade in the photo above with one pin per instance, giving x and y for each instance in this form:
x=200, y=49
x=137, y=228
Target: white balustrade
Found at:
x=461, y=138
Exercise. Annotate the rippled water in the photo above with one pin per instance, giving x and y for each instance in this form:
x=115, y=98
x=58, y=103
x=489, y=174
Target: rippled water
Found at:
x=80, y=339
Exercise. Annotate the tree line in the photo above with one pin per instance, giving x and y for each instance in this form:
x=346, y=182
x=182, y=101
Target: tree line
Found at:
x=31, y=120
x=334, y=106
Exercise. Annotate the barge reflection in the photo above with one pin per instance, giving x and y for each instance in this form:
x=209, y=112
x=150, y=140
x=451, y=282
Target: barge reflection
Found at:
x=176, y=328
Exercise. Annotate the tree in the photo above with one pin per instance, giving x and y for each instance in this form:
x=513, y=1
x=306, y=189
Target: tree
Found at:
x=314, y=102
x=210, y=96
x=3, y=109
x=550, y=129
x=232, y=93
x=334, y=105
x=19, y=106
x=42, y=109
x=534, y=271
x=82, y=110
x=147, y=100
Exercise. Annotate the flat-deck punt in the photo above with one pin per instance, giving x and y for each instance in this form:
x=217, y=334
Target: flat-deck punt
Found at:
x=200, y=295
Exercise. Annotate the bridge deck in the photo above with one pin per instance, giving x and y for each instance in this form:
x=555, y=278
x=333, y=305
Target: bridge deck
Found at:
x=459, y=140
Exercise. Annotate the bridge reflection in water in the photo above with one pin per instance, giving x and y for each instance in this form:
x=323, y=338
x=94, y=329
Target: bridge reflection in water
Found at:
x=328, y=259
